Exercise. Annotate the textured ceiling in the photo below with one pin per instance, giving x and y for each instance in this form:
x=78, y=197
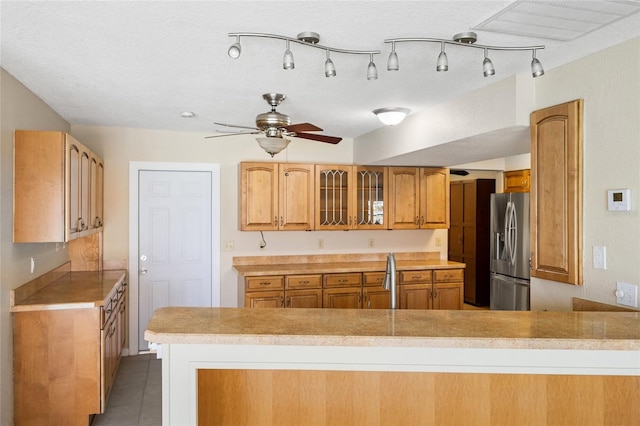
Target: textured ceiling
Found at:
x=140, y=64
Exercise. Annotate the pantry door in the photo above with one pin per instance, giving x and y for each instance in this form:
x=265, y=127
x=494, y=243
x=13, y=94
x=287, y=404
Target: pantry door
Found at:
x=175, y=233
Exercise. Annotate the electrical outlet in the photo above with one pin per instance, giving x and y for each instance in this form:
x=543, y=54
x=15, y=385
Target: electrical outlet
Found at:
x=438, y=241
x=599, y=257
x=372, y=242
x=320, y=243
x=627, y=294
x=228, y=246
x=33, y=264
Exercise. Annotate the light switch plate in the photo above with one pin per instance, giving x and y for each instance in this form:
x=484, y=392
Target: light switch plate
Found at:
x=599, y=257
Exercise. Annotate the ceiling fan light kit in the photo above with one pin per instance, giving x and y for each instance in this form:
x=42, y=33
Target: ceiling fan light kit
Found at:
x=466, y=39
x=391, y=116
x=275, y=126
x=309, y=39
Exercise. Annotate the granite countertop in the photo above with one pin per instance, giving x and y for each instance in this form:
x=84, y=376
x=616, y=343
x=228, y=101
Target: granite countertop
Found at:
x=338, y=263
x=398, y=328
x=73, y=290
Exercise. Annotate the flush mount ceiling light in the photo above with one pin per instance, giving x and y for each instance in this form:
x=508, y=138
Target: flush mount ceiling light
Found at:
x=309, y=39
x=391, y=116
x=464, y=40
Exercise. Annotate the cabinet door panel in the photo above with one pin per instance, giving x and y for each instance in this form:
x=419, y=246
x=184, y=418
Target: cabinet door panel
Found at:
x=264, y=299
x=376, y=298
x=343, y=298
x=415, y=296
x=448, y=296
x=370, y=198
x=296, y=203
x=333, y=197
x=404, y=184
x=259, y=197
x=434, y=198
x=556, y=193
x=303, y=298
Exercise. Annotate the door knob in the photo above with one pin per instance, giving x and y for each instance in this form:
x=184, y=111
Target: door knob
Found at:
x=143, y=270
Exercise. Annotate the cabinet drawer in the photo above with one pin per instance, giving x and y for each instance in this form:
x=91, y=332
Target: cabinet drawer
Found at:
x=373, y=278
x=342, y=280
x=264, y=283
x=303, y=281
x=415, y=277
x=448, y=275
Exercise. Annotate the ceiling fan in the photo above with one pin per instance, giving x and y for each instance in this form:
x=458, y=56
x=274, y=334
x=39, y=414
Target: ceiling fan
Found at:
x=276, y=127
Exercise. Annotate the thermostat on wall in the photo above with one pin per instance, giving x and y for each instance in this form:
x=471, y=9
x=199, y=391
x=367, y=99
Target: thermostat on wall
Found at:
x=619, y=199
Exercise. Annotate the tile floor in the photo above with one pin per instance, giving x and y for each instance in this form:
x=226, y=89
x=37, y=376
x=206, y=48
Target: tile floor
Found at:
x=136, y=397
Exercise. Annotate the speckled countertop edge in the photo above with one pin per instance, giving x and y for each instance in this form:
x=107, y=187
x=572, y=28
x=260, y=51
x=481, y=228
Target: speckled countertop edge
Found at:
x=434, y=329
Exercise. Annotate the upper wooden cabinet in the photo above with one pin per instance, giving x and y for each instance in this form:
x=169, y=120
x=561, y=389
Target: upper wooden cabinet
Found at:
x=418, y=197
x=350, y=197
x=58, y=188
x=517, y=181
x=276, y=197
x=556, y=193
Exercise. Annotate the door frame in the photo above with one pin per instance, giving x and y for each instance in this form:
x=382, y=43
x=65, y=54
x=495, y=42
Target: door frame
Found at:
x=134, y=168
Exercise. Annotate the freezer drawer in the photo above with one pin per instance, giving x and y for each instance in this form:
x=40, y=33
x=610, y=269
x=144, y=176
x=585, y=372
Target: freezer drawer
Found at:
x=508, y=293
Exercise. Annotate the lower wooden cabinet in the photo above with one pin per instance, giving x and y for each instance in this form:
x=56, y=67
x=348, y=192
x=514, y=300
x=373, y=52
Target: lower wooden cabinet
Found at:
x=292, y=291
x=438, y=289
x=423, y=289
x=65, y=360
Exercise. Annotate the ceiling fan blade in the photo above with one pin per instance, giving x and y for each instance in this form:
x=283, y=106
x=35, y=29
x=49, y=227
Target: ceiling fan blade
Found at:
x=233, y=125
x=302, y=127
x=231, y=134
x=319, y=138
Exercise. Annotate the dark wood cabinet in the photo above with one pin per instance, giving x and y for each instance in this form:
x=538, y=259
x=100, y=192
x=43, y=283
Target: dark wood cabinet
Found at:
x=469, y=235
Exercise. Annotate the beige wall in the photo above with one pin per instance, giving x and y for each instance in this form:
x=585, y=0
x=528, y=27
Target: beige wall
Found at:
x=19, y=109
x=609, y=83
x=119, y=146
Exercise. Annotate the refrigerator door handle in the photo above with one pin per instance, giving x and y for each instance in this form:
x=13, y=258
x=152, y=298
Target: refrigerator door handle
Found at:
x=513, y=234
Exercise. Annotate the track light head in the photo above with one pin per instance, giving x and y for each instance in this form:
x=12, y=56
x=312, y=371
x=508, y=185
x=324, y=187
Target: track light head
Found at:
x=487, y=66
x=287, y=60
x=392, y=63
x=372, y=71
x=443, y=62
x=235, y=49
x=536, y=66
x=329, y=68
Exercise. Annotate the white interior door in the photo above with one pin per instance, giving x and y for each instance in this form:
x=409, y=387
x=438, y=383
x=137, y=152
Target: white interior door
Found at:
x=174, y=242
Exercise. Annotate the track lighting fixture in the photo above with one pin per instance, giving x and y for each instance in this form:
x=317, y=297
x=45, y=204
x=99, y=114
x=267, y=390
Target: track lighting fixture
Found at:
x=487, y=65
x=466, y=39
x=443, y=62
x=287, y=60
x=392, y=63
x=372, y=71
x=329, y=68
x=536, y=66
x=235, y=49
x=309, y=39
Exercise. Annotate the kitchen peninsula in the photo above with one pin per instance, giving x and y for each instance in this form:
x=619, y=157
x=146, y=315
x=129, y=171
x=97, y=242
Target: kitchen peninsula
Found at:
x=358, y=366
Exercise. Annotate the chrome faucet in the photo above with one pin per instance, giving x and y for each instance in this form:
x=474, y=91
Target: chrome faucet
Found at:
x=389, y=282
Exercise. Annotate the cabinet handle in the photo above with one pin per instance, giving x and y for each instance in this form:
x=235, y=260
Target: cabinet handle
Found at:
x=343, y=280
x=289, y=301
x=265, y=283
x=421, y=220
x=275, y=221
x=281, y=221
x=416, y=277
x=435, y=293
x=416, y=222
x=369, y=304
x=281, y=301
x=304, y=282
x=98, y=222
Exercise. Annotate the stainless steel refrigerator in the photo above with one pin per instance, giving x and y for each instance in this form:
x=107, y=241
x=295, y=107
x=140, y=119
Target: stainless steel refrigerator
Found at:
x=510, y=252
